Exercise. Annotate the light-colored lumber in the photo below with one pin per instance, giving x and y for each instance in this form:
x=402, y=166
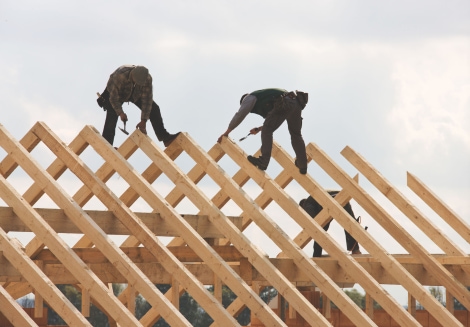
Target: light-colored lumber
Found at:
x=348, y=223
x=135, y=225
x=61, y=251
x=401, y=202
x=86, y=302
x=460, y=292
x=41, y=283
x=449, y=302
x=301, y=217
x=435, y=203
x=38, y=299
x=195, y=241
x=77, y=214
x=369, y=306
x=111, y=225
x=303, y=307
x=388, y=262
x=411, y=305
x=13, y=311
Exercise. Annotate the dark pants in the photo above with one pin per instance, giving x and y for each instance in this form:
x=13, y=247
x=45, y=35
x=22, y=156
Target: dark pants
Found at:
x=351, y=243
x=313, y=208
x=110, y=123
x=284, y=110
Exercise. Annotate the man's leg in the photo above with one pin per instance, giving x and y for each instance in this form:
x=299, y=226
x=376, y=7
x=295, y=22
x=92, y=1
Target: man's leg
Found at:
x=110, y=123
x=272, y=122
x=157, y=123
x=294, y=123
x=317, y=249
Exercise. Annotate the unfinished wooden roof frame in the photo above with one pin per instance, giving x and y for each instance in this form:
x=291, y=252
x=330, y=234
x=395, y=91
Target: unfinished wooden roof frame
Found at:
x=209, y=248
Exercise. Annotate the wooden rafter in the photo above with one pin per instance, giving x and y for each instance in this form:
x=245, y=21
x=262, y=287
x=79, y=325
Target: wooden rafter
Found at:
x=209, y=247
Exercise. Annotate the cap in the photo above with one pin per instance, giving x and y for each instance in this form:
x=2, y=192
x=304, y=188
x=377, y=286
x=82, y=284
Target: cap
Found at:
x=140, y=74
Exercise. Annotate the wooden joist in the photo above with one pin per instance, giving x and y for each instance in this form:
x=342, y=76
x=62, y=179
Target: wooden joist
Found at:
x=209, y=247
x=107, y=221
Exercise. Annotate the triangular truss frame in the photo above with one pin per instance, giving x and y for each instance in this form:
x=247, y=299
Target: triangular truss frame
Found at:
x=209, y=248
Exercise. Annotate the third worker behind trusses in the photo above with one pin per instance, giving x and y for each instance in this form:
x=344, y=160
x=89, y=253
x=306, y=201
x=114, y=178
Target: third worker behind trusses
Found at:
x=276, y=106
x=313, y=208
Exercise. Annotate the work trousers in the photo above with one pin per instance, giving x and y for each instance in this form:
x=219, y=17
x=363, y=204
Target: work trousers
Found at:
x=110, y=123
x=285, y=109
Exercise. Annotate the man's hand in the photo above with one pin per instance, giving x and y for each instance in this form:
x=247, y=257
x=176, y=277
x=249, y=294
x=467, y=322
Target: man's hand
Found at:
x=142, y=126
x=123, y=117
x=227, y=132
x=256, y=130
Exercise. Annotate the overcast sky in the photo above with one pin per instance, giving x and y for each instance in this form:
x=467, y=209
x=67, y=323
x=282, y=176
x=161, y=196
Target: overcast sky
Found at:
x=391, y=79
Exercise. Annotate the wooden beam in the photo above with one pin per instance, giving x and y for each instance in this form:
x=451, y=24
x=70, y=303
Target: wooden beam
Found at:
x=288, y=246
x=336, y=210
x=449, y=302
x=401, y=202
x=411, y=305
x=434, y=202
x=372, y=246
x=42, y=284
x=406, y=239
x=134, y=224
x=77, y=214
x=13, y=311
x=369, y=306
x=111, y=225
x=195, y=241
x=244, y=245
x=38, y=299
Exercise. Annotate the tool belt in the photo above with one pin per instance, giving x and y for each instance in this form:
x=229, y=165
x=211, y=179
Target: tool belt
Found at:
x=103, y=101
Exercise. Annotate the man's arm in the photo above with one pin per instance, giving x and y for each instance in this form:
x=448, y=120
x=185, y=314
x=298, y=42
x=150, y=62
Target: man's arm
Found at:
x=245, y=108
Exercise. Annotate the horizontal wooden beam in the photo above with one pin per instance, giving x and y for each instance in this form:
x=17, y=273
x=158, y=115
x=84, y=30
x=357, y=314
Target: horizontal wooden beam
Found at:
x=158, y=275
x=59, y=221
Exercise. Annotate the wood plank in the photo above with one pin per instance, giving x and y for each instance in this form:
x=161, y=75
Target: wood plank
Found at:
x=401, y=202
x=77, y=214
x=13, y=311
x=61, y=250
x=110, y=224
x=408, y=242
x=38, y=299
x=133, y=223
x=157, y=274
x=194, y=240
x=365, y=239
x=42, y=284
x=303, y=219
x=436, y=204
x=244, y=245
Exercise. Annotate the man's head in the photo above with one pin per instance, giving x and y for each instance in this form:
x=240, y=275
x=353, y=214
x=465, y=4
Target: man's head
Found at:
x=302, y=97
x=139, y=75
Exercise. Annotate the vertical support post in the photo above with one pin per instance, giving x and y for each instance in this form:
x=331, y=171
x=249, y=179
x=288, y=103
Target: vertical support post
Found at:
x=218, y=288
x=38, y=299
x=411, y=305
x=175, y=298
x=85, y=302
x=369, y=306
x=449, y=302
x=326, y=306
x=131, y=298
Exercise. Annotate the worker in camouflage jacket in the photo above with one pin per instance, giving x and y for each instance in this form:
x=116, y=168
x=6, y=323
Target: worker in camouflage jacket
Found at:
x=131, y=83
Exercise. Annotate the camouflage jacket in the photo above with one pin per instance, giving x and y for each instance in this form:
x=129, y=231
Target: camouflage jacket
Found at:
x=121, y=90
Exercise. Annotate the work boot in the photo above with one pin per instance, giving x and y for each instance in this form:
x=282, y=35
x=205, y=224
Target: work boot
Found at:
x=167, y=141
x=303, y=171
x=256, y=162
